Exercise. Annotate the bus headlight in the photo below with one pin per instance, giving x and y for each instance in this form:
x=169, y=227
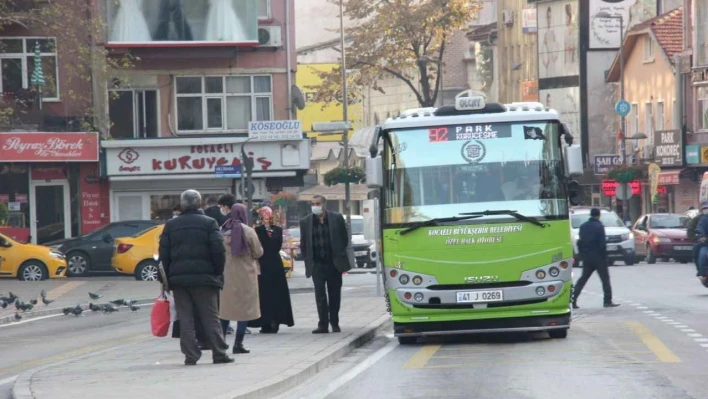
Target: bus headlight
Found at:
x=417, y=280
x=540, y=291
x=404, y=279
x=418, y=296
x=554, y=272
x=540, y=274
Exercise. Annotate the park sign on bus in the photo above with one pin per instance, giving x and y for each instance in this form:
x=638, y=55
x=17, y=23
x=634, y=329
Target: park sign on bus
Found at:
x=603, y=163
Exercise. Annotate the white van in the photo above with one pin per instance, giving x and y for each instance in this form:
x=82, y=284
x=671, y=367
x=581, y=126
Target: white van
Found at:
x=620, y=240
x=364, y=250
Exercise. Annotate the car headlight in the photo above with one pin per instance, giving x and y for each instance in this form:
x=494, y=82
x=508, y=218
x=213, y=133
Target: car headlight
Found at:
x=661, y=240
x=627, y=236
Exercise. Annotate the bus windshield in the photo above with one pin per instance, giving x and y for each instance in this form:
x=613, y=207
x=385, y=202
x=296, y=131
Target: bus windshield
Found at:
x=445, y=171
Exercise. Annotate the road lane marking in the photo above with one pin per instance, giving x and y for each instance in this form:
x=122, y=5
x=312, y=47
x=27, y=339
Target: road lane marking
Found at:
x=17, y=323
x=421, y=357
x=354, y=372
x=688, y=330
x=695, y=335
x=701, y=339
x=533, y=361
x=64, y=289
x=662, y=352
x=8, y=380
x=642, y=307
x=71, y=354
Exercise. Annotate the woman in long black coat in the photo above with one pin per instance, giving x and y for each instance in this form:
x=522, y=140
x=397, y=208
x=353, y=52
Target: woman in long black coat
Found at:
x=272, y=283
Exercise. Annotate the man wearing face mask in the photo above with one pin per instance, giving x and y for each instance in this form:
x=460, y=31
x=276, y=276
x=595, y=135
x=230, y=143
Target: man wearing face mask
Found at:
x=324, y=242
x=702, y=235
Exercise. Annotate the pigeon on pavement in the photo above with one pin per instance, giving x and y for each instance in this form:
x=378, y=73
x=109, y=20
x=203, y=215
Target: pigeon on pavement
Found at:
x=95, y=296
x=43, y=294
x=3, y=304
x=109, y=309
x=77, y=310
x=95, y=308
x=118, y=302
x=67, y=311
x=46, y=301
x=33, y=301
x=134, y=308
x=10, y=299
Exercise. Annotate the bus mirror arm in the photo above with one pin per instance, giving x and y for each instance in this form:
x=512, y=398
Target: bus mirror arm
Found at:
x=374, y=147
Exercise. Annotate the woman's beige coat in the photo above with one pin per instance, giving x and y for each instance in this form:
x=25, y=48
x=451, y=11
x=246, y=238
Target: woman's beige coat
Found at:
x=239, y=298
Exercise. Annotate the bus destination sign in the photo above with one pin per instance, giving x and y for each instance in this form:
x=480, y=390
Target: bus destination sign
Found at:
x=480, y=131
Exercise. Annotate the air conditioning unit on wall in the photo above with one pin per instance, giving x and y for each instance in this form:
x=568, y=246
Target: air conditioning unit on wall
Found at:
x=508, y=17
x=270, y=36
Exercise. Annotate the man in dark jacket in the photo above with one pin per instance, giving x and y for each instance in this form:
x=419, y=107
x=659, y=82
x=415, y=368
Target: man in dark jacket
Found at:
x=214, y=211
x=593, y=251
x=193, y=255
x=326, y=249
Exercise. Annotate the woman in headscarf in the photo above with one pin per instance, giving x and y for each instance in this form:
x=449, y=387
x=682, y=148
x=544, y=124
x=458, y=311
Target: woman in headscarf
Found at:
x=273, y=285
x=239, y=298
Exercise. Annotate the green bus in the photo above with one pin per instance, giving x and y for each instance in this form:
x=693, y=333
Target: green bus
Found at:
x=474, y=227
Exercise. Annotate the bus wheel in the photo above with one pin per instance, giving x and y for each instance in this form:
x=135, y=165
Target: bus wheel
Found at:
x=558, y=334
x=407, y=340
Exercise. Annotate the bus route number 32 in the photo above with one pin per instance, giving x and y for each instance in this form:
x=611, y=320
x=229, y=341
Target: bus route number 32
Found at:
x=480, y=296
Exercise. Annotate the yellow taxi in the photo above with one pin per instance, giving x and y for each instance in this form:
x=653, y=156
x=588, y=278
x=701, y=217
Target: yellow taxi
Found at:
x=135, y=255
x=30, y=262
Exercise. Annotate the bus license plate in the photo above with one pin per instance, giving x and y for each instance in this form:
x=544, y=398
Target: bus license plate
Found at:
x=683, y=248
x=480, y=296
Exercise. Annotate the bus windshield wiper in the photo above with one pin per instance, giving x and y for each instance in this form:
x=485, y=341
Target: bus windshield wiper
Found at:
x=435, y=221
x=515, y=214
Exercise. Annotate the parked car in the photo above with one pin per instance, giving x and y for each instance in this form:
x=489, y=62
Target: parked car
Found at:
x=620, y=240
x=92, y=252
x=663, y=236
x=29, y=262
x=135, y=255
x=364, y=250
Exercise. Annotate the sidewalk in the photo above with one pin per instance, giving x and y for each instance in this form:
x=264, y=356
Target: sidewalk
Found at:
x=153, y=367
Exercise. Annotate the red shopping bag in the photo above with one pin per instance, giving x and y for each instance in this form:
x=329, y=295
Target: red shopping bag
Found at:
x=160, y=316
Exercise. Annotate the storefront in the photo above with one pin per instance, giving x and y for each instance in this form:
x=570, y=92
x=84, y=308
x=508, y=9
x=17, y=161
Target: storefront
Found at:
x=51, y=186
x=147, y=176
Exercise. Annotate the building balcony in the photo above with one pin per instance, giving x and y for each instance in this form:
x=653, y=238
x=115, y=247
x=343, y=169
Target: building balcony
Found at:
x=182, y=23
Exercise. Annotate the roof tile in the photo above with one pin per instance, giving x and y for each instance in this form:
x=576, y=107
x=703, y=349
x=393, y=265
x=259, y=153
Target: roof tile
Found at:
x=668, y=30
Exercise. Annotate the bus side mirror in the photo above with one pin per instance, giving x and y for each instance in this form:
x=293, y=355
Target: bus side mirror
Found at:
x=374, y=172
x=574, y=160
x=574, y=193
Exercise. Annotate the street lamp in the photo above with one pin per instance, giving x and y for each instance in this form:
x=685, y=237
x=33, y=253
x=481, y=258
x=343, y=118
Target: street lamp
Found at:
x=606, y=15
x=438, y=84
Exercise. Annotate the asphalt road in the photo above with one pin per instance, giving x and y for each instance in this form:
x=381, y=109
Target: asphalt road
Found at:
x=655, y=345
x=37, y=342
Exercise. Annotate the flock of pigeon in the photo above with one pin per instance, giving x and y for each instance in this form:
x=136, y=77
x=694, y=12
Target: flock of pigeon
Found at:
x=110, y=307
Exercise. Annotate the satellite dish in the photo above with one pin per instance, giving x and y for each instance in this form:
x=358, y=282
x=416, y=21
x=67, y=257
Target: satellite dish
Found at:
x=298, y=98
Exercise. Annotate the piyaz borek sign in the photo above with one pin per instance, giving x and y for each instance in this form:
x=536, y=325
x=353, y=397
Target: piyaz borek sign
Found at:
x=466, y=235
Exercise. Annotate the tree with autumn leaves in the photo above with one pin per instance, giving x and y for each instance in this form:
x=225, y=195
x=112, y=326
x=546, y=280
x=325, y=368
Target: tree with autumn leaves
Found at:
x=405, y=39
x=83, y=60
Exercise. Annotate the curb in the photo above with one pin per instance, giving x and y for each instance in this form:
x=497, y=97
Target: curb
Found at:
x=55, y=311
x=299, y=376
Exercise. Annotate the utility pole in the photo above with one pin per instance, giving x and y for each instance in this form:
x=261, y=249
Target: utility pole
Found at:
x=623, y=122
x=345, y=118
x=246, y=180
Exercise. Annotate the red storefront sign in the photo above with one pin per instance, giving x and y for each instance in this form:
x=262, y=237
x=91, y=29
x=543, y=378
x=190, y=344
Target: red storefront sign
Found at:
x=609, y=187
x=669, y=178
x=49, y=147
x=94, y=199
x=48, y=172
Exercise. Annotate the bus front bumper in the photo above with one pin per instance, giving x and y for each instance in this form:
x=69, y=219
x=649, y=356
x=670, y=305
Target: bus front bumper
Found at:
x=486, y=326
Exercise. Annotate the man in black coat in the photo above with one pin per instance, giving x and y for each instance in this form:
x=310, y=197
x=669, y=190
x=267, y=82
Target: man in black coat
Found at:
x=213, y=210
x=593, y=251
x=326, y=249
x=193, y=255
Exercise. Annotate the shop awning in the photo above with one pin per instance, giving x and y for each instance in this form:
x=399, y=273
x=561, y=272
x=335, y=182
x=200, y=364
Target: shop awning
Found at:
x=359, y=192
x=669, y=178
